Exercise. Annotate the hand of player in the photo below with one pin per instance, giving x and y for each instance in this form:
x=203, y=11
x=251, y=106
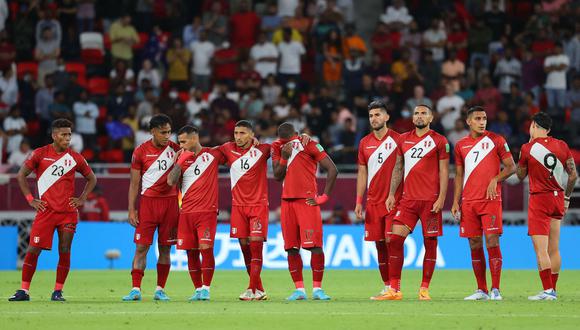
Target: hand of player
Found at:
x=358, y=211
x=76, y=202
x=304, y=139
x=287, y=150
x=318, y=200
x=566, y=204
x=491, y=193
x=133, y=219
x=390, y=203
x=38, y=204
x=455, y=211
x=437, y=206
x=177, y=154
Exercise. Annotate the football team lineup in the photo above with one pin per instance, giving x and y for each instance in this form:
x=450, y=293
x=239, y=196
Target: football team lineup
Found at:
x=403, y=176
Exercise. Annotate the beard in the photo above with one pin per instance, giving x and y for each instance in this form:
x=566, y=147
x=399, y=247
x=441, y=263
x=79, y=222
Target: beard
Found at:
x=378, y=128
x=420, y=126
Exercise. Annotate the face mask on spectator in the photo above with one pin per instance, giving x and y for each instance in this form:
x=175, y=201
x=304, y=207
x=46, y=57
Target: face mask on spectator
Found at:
x=291, y=85
x=405, y=114
x=173, y=95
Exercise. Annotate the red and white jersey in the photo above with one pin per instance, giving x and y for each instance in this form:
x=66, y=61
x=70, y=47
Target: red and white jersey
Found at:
x=300, y=180
x=481, y=159
x=199, y=181
x=55, y=175
x=379, y=156
x=545, y=159
x=248, y=173
x=154, y=164
x=422, y=156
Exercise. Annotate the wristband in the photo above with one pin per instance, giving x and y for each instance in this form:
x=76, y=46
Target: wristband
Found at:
x=29, y=198
x=567, y=198
x=359, y=199
x=566, y=204
x=184, y=155
x=283, y=162
x=321, y=199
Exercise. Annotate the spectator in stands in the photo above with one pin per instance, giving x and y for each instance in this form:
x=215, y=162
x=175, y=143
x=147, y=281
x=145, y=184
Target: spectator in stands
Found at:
x=76, y=142
x=43, y=99
x=430, y=71
x=59, y=109
x=329, y=12
x=508, y=70
x=149, y=72
x=496, y=20
x=418, y=99
x=435, y=39
x=18, y=156
x=333, y=59
x=384, y=41
x=465, y=92
x=573, y=101
x=145, y=107
x=121, y=74
x=47, y=52
x=191, y=31
x=248, y=78
x=290, y=58
x=355, y=50
x=225, y=64
x=216, y=24
x=555, y=67
x=67, y=12
x=295, y=34
x=449, y=108
x=501, y=125
x=202, y=52
x=156, y=46
x=96, y=207
x=223, y=101
x=15, y=128
x=123, y=37
x=7, y=51
x=476, y=73
x=271, y=21
x=282, y=109
x=196, y=103
x=47, y=21
x=86, y=114
x=459, y=131
x=299, y=22
x=85, y=15
x=118, y=104
x=271, y=91
x=24, y=36
x=412, y=39
x=339, y=216
x=478, y=41
x=457, y=41
x=251, y=105
x=573, y=51
x=377, y=67
x=489, y=97
x=265, y=55
x=9, y=86
x=512, y=103
x=542, y=45
x=178, y=58
x=3, y=14
x=27, y=87
x=397, y=15
x=452, y=69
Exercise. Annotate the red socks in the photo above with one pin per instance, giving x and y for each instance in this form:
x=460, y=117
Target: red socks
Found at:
x=194, y=266
x=137, y=276
x=317, y=265
x=28, y=269
x=62, y=270
x=247, y=253
x=256, y=248
x=295, y=267
x=478, y=264
x=396, y=258
x=546, y=277
x=383, y=260
x=495, y=263
x=207, y=265
x=162, y=274
x=555, y=279
x=429, y=260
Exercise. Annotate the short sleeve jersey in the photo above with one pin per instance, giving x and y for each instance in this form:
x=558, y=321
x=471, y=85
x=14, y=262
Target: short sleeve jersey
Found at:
x=248, y=173
x=379, y=157
x=55, y=175
x=300, y=180
x=199, y=181
x=545, y=159
x=154, y=164
x=481, y=159
x=422, y=155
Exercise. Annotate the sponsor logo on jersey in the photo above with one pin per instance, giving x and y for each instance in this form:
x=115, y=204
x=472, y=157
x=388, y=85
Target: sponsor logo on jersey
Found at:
x=50, y=159
x=151, y=155
x=371, y=147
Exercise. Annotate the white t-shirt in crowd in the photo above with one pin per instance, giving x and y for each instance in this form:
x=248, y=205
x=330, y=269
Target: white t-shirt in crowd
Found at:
x=436, y=36
x=290, y=53
x=84, y=124
x=556, y=79
x=455, y=102
x=287, y=8
x=152, y=75
x=11, y=123
x=265, y=50
x=202, y=52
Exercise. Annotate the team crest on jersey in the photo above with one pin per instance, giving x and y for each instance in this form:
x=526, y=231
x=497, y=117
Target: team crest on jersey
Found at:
x=170, y=154
x=485, y=145
x=36, y=239
x=67, y=162
x=180, y=242
x=388, y=146
x=205, y=158
x=137, y=237
x=427, y=143
x=206, y=234
x=309, y=233
x=253, y=153
x=256, y=225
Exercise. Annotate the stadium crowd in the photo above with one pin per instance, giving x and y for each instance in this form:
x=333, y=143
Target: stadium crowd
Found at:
x=110, y=65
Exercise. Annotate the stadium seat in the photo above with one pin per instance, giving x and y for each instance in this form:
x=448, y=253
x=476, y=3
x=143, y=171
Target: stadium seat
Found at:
x=24, y=67
x=98, y=86
x=112, y=156
x=143, y=38
x=88, y=154
x=184, y=97
x=80, y=69
x=107, y=41
x=93, y=56
x=103, y=141
x=92, y=40
x=33, y=127
x=102, y=113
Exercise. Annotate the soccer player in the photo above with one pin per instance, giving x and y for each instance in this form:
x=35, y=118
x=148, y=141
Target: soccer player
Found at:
x=158, y=210
x=197, y=167
x=56, y=208
x=296, y=166
x=249, y=218
x=547, y=161
x=426, y=174
x=377, y=154
x=478, y=173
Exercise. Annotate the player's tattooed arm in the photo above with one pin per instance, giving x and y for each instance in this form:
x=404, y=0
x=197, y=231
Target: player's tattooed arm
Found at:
x=37, y=204
x=174, y=175
x=572, y=177
x=521, y=172
x=396, y=179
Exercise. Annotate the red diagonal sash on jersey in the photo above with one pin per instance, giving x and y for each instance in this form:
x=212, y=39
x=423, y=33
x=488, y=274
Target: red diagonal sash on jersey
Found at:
x=476, y=155
x=158, y=168
x=244, y=164
x=379, y=157
x=550, y=162
x=195, y=171
x=417, y=152
x=55, y=172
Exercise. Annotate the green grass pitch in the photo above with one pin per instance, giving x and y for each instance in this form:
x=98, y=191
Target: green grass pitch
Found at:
x=94, y=302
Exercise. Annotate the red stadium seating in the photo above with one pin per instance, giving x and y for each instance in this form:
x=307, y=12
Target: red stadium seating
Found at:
x=92, y=56
x=24, y=67
x=143, y=38
x=88, y=154
x=80, y=69
x=112, y=156
x=184, y=97
x=98, y=86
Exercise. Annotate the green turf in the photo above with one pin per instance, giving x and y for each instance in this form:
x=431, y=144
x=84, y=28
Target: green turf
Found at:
x=94, y=302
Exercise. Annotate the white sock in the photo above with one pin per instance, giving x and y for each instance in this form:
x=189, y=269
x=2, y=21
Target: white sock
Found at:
x=314, y=289
x=158, y=288
x=205, y=287
x=302, y=290
x=25, y=290
x=136, y=288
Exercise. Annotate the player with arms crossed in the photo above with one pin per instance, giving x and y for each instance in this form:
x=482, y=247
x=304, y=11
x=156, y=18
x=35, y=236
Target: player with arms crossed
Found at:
x=424, y=167
x=296, y=166
x=478, y=173
x=547, y=161
x=158, y=210
x=197, y=167
x=55, y=166
x=377, y=154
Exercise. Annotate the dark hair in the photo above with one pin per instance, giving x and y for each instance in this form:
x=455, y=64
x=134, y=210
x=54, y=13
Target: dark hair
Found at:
x=159, y=120
x=61, y=123
x=188, y=129
x=543, y=120
x=425, y=106
x=474, y=109
x=378, y=105
x=286, y=130
x=245, y=123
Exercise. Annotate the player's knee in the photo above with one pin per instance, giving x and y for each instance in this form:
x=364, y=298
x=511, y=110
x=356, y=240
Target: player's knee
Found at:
x=64, y=249
x=255, y=239
x=293, y=251
x=475, y=243
x=204, y=247
x=33, y=250
x=244, y=241
x=492, y=240
x=142, y=249
x=316, y=250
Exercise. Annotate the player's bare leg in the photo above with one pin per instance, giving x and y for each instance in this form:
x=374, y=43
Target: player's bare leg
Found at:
x=64, y=246
x=207, y=270
x=479, y=268
x=396, y=259
x=554, y=250
x=28, y=269
x=163, y=267
x=317, y=266
x=295, y=267
x=138, y=271
x=495, y=264
x=383, y=261
x=545, y=268
x=429, y=261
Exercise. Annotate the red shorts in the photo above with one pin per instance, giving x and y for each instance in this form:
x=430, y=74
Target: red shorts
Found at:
x=378, y=222
x=195, y=229
x=409, y=212
x=157, y=213
x=46, y=222
x=542, y=208
x=479, y=217
x=249, y=221
x=301, y=224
